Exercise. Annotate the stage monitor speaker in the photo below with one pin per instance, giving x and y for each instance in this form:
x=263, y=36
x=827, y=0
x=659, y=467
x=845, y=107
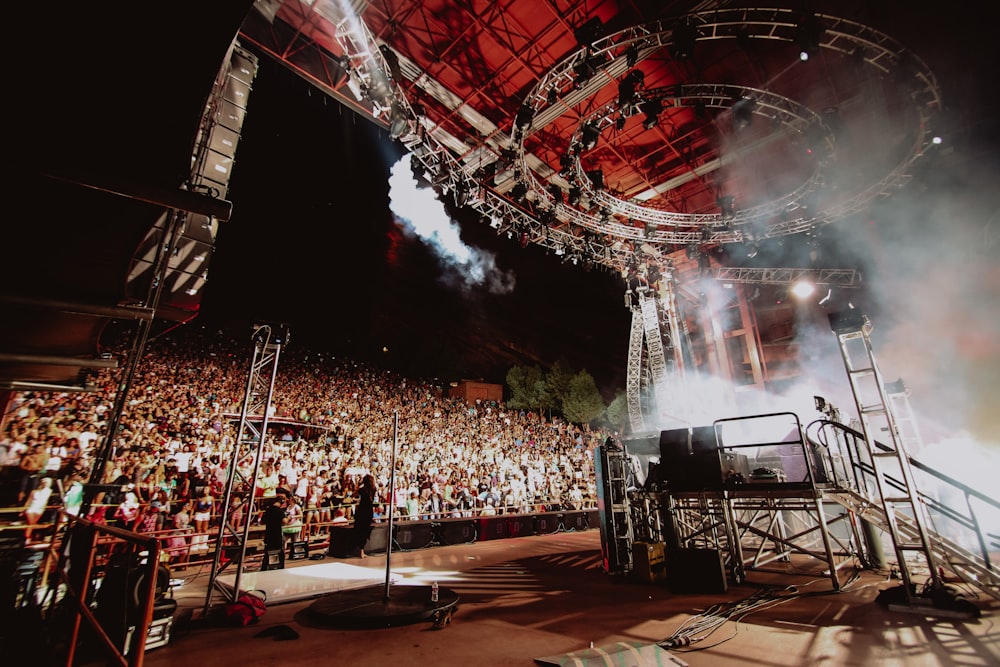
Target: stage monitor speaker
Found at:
x=546, y=524
x=299, y=550
x=414, y=535
x=520, y=525
x=378, y=540
x=341, y=542
x=575, y=521
x=695, y=571
x=689, y=460
x=458, y=532
x=492, y=528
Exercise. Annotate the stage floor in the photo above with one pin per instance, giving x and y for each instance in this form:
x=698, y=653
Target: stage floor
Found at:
x=308, y=581
x=546, y=599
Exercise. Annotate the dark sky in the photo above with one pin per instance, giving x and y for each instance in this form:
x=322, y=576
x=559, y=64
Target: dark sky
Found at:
x=312, y=243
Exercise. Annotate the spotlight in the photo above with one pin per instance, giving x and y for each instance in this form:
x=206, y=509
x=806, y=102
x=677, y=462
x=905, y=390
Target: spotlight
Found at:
x=552, y=95
x=574, y=196
x=631, y=55
x=596, y=178
x=519, y=191
x=461, y=194
x=398, y=123
x=565, y=164
x=808, y=34
x=683, y=40
x=652, y=109
x=524, y=117
x=803, y=289
x=589, y=136
x=584, y=70
x=556, y=192
x=727, y=205
x=743, y=112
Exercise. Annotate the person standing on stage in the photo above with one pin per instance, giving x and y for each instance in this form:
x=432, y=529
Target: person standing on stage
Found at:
x=274, y=540
x=364, y=513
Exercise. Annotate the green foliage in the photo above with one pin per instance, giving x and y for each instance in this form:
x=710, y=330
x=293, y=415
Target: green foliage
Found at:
x=528, y=390
x=574, y=395
x=584, y=403
x=617, y=412
x=558, y=380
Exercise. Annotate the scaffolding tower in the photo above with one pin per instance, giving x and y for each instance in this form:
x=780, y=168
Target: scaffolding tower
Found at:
x=231, y=539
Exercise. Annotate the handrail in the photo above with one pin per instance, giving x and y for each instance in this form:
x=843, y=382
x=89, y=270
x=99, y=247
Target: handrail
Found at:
x=76, y=584
x=866, y=470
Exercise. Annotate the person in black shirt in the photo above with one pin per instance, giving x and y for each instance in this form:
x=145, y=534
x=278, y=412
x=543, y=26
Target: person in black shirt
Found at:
x=364, y=513
x=274, y=520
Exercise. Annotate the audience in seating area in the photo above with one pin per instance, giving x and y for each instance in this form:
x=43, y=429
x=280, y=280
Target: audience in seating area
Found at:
x=332, y=422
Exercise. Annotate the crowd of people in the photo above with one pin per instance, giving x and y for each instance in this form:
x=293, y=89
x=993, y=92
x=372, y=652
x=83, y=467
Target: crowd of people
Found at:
x=333, y=421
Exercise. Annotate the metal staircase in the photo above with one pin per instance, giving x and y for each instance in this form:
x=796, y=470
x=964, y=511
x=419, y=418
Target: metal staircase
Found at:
x=903, y=515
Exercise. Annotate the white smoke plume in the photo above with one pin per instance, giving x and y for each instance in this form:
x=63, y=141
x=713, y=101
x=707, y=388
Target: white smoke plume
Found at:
x=421, y=213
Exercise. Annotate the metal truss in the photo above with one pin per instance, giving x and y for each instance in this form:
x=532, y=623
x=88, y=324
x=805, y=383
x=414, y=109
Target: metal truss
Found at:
x=245, y=459
x=785, y=276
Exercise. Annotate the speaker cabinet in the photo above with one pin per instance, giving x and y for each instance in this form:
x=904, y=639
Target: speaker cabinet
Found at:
x=414, y=535
x=574, y=521
x=689, y=460
x=462, y=531
x=520, y=525
x=546, y=524
x=648, y=561
x=695, y=571
x=492, y=528
x=299, y=550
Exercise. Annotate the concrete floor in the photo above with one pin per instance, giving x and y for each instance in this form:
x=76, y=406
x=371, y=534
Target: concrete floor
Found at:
x=527, y=598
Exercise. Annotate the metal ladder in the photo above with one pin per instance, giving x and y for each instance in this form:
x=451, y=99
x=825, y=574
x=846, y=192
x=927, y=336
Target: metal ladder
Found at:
x=874, y=410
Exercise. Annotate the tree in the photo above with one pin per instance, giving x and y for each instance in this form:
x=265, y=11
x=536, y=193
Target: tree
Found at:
x=558, y=380
x=617, y=412
x=584, y=402
x=528, y=390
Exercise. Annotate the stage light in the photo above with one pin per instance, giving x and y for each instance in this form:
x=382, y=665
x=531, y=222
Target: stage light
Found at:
x=461, y=194
x=808, y=34
x=727, y=205
x=743, y=112
x=631, y=55
x=574, y=196
x=524, y=117
x=652, y=109
x=552, y=95
x=683, y=41
x=556, y=192
x=596, y=178
x=803, y=289
x=589, y=136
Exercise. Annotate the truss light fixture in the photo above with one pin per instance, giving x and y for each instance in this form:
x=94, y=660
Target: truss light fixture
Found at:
x=589, y=136
x=743, y=110
x=652, y=109
x=631, y=55
x=556, y=192
x=808, y=34
x=552, y=95
x=524, y=117
x=803, y=289
x=519, y=191
x=398, y=122
x=684, y=37
x=596, y=177
x=461, y=194
x=620, y=122
x=584, y=70
x=573, y=198
x=727, y=206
